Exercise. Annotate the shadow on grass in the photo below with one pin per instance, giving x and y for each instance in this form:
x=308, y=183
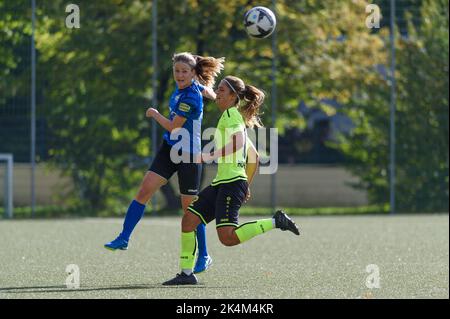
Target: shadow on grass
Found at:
x=64, y=289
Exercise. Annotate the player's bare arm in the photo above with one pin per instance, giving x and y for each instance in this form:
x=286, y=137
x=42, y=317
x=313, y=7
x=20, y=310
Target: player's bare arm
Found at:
x=238, y=142
x=209, y=93
x=177, y=122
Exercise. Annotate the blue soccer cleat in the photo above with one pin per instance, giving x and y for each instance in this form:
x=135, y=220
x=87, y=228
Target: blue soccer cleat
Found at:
x=118, y=243
x=203, y=263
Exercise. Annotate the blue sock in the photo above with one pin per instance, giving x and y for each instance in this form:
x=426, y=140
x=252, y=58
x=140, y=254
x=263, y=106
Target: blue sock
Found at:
x=133, y=216
x=201, y=240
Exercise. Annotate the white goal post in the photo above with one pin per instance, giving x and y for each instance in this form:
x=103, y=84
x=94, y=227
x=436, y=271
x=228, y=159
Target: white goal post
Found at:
x=8, y=188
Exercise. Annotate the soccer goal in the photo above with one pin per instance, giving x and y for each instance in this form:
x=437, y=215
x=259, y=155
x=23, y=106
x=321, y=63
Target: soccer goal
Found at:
x=8, y=183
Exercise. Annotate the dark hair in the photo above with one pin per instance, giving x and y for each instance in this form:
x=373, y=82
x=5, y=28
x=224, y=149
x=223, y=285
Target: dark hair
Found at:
x=206, y=68
x=253, y=97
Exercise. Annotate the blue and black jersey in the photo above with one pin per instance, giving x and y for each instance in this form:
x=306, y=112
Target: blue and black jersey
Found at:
x=188, y=103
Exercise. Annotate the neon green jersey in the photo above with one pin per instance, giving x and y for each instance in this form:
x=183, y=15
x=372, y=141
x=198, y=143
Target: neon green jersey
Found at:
x=231, y=167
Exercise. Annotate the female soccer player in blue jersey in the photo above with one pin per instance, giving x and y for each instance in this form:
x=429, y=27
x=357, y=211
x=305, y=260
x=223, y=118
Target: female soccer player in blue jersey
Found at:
x=237, y=165
x=194, y=77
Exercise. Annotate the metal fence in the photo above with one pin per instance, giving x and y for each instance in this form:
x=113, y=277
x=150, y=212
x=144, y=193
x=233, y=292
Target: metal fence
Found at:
x=56, y=116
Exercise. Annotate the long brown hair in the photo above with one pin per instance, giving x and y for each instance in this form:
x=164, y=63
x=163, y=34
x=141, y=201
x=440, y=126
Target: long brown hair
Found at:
x=253, y=97
x=206, y=68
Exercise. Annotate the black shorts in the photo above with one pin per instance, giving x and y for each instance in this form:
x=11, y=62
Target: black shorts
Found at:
x=189, y=174
x=221, y=202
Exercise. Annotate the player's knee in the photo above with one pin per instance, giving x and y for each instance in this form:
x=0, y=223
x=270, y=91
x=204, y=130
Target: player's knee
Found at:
x=189, y=222
x=149, y=186
x=228, y=240
x=143, y=196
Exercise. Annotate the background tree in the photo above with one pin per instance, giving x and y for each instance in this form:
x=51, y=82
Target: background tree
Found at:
x=94, y=85
x=421, y=120
x=15, y=75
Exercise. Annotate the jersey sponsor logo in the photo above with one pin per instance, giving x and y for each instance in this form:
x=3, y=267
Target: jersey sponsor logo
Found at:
x=193, y=190
x=184, y=107
x=177, y=98
x=241, y=165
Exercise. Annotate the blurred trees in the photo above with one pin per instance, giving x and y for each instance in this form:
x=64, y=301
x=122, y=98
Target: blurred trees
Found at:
x=95, y=81
x=422, y=143
x=95, y=84
x=15, y=74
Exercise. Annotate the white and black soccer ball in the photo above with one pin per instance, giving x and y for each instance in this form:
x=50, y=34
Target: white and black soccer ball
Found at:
x=260, y=22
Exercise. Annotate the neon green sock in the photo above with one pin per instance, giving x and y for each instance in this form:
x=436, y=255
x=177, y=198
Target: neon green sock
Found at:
x=188, y=250
x=251, y=229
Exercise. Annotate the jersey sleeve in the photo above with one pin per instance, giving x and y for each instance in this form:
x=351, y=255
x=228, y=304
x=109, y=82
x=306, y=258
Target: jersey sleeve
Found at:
x=188, y=107
x=201, y=87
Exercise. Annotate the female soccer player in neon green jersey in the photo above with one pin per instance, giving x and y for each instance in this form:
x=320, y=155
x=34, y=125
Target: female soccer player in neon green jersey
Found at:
x=237, y=165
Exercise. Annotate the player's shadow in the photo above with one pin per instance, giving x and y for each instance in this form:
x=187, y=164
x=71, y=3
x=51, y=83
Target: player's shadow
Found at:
x=6, y=289
x=64, y=289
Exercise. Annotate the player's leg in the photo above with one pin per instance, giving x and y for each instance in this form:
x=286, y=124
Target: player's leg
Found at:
x=159, y=173
x=150, y=184
x=203, y=259
x=189, y=246
x=189, y=176
x=231, y=236
x=251, y=229
x=200, y=212
x=227, y=235
x=231, y=196
x=188, y=251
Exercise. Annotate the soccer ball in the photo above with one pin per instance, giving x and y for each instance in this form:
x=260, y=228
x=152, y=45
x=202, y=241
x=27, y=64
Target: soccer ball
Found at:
x=259, y=22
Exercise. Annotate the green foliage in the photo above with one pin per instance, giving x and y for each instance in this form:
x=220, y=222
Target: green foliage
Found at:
x=98, y=76
x=15, y=33
x=94, y=84
x=423, y=135
x=14, y=29
x=421, y=121
x=94, y=95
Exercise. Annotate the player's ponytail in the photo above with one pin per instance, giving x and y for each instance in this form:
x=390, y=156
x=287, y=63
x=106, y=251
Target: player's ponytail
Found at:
x=253, y=98
x=207, y=69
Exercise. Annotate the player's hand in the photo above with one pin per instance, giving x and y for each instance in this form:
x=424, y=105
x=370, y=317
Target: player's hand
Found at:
x=206, y=158
x=209, y=93
x=247, y=197
x=151, y=112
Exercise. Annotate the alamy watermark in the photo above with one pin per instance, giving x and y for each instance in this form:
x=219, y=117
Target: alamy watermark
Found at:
x=73, y=278
x=374, y=18
x=73, y=19
x=264, y=140
x=373, y=280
